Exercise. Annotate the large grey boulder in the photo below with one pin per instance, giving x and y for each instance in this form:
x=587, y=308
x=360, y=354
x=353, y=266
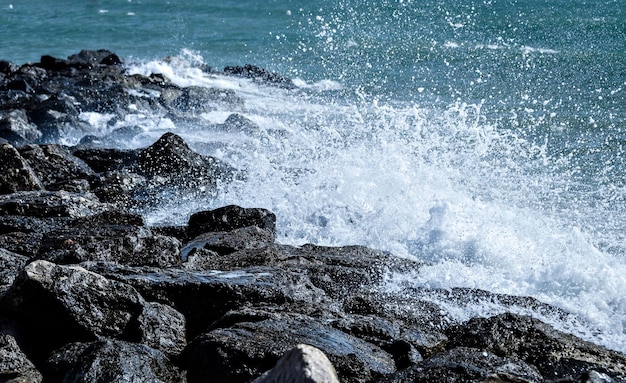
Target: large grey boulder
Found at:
x=301, y=364
x=61, y=304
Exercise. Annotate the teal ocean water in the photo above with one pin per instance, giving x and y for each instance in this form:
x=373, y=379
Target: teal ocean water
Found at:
x=485, y=138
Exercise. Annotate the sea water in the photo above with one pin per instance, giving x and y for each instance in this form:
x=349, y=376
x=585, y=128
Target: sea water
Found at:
x=483, y=138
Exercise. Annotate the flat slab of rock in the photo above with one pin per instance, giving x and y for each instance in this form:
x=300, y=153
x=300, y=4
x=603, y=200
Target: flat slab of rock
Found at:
x=204, y=297
x=50, y=204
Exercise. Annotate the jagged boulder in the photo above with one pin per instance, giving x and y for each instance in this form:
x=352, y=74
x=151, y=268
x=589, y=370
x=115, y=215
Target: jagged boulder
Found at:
x=162, y=328
x=111, y=361
x=229, y=218
x=15, y=173
x=467, y=365
x=59, y=304
x=245, y=350
x=57, y=168
x=14, y=365
x=171, y=157
x=552, y=352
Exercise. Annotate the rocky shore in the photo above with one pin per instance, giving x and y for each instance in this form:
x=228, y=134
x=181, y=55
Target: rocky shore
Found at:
x=90, y=293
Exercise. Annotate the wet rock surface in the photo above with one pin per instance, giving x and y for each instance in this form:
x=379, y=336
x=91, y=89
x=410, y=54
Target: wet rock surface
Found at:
x=90, y=293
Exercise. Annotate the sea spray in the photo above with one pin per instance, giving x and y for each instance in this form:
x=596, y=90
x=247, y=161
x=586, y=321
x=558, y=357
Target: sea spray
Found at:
x=482, y=204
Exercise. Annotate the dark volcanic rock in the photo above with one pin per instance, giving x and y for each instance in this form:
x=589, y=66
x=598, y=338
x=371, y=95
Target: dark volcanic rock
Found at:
x=10, y=266
x=106, y=160
x=99, y=57
x=55, y=166
x=193, y=100
x=204, y=297
x=110, y=236
x=26, y=244
x=105, y=361
x=22, y=234
x=61, y=304
x=14, y=365
x=17, y=129
x=245, y=350
x=50, y=204
x=162, y=328
x=230, y=217
x=339, y=271
x=467, y=365
x=553, y=353
x=16, y=174
x=226, y=242
x=260, y=74
x=170, y=157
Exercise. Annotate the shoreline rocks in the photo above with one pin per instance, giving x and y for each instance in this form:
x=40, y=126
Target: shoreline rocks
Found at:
x=90, y=293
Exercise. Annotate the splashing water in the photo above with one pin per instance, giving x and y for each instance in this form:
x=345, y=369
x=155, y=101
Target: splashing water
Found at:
x=484, y=207
x=485, y=139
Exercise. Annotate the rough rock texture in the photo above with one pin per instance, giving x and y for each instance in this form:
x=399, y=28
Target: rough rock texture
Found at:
x=468, y=365
x=162, y=328
x=90, y=293
x=241, y=352
x=76, y=304
x=301, y=364
x=108, y=361
x=553, y=353
x=260, y=75
x=229, y=218
x=14, y=365
x=16, y=175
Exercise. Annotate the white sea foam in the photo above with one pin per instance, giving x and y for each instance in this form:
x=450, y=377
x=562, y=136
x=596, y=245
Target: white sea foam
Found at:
x=451, y=44
x=445, y=186
x=320, y=85
x=527, y=50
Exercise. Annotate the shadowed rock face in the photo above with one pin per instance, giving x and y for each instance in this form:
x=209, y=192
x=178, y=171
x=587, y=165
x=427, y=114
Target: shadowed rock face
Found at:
x=89, y=292
x=111, y=361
